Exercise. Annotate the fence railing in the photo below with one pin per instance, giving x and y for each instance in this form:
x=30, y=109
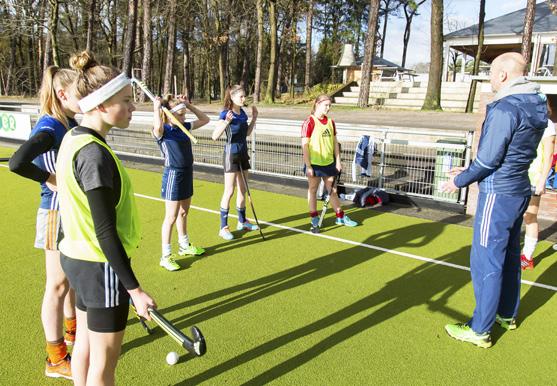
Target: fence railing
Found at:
x=405, y=161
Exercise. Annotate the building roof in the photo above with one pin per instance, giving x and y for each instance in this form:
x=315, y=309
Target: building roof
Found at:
x=512, y=24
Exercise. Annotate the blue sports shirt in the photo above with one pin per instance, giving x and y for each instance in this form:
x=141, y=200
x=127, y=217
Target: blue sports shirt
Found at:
x=47, y=160
x=175, y=147
x=239, y=129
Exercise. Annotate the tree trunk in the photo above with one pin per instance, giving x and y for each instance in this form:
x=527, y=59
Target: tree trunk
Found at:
x=186, y=65
x=170, y=48
x=53, y=30
x=293, y=53
x=270, y=92
x=405, y=40
x=369, y=49
x=526, y=49
x=147, y=47
x=129, y=46
x=258, y=59
x=477, y=59
x=89, y=46
x=309, y=29
x=433, y=94
x=70, y=27
x=383, y=36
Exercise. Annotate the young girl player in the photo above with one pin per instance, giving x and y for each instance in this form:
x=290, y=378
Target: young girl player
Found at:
x=177, y=179
x=101, y=227
x=36, y=159
x=322, y=159
x=234, y=121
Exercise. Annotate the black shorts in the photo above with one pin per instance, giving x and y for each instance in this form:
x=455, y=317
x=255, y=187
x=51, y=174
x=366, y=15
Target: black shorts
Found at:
x=232, y=161
x=323, y=171
x=99, y=293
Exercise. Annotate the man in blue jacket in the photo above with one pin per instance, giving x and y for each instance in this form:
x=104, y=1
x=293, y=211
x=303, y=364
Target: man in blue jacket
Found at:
x=512, y=129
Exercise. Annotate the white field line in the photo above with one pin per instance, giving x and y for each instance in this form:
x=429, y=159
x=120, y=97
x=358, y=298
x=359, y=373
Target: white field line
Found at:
x=355, y=243
x=358, y=244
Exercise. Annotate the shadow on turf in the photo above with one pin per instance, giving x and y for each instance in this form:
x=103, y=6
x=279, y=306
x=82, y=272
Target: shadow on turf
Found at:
x=428, y=284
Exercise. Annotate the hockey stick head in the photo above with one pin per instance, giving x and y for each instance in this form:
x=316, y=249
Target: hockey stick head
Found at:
x=144, y=88
x=199, y=345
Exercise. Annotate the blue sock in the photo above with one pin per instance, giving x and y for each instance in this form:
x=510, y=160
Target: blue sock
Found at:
x=241, y=215
x=223, y=218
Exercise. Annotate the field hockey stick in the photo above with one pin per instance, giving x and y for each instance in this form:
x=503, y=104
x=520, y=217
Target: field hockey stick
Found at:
x=250, y=201
x=195, y=346
x=5, y=159
x=141, y=320
x=327, y=199
x=167, y=112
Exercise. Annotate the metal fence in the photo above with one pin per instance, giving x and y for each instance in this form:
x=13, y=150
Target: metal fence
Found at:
x=405, y=161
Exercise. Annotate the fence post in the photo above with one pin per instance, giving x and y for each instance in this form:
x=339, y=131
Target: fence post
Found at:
x=253, y=163
x=467, y=158
x=382, y=160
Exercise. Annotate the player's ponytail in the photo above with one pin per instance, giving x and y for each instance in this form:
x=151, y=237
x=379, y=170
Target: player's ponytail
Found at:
x=55, y=78
x=319, y=99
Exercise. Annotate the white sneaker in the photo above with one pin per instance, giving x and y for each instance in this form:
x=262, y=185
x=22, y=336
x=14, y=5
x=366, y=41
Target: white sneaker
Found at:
x=169, y=263
x=226, y=234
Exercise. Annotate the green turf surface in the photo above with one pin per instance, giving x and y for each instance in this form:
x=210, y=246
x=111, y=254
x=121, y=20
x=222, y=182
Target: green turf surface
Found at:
x=296, y=309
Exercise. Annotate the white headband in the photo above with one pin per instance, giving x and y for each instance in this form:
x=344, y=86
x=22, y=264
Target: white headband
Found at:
x=102, y=94
x=178, y=107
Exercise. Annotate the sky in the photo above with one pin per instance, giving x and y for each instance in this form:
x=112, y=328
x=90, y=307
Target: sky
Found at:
x=464, y=12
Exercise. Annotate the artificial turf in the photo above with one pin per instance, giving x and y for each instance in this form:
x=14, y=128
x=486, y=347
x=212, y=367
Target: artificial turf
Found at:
x=295, y=309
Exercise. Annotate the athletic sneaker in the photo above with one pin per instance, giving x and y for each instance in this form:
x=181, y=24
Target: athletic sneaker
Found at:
x=62, y=369
x=463, y=332
x=169, y=263
x=225, y=233
x=506, y=323
x=526, y=263
x=314, y=224
x=246, y=226
x=191, y=250
x=69, y=338
x=346, y=221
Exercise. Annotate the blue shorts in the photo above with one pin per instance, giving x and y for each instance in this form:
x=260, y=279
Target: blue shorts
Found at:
x=323, y=171
x=177, y=184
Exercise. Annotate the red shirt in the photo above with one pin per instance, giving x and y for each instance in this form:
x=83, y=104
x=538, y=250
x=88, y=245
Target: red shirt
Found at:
x=309, y=125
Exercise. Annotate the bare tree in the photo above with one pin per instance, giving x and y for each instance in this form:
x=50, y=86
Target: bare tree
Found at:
x=477, y=59
x=90, y=25
x=170, y=48
x=53, y=30
x=309, y=28
x=389, y=7
x=410, y=8
x=369, y=50
x=129, y=46
x=526, y=49
x=258, y=59
x=270, y=92
x=147, y=46
x=433, y=95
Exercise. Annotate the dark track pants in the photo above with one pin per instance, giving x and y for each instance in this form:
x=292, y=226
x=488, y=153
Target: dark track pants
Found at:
x=495, y=258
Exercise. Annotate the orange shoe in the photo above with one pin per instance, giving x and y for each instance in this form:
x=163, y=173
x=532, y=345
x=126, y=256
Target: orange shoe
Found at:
x=526, y=263
x=62, y=369
x=69, y=338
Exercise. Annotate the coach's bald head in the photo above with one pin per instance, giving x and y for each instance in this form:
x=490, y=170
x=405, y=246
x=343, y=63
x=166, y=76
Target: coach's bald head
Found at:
x=505, y=68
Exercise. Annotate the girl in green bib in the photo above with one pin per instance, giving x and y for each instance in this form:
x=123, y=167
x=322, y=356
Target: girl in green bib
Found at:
x=321, y=154
x=99, y=218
